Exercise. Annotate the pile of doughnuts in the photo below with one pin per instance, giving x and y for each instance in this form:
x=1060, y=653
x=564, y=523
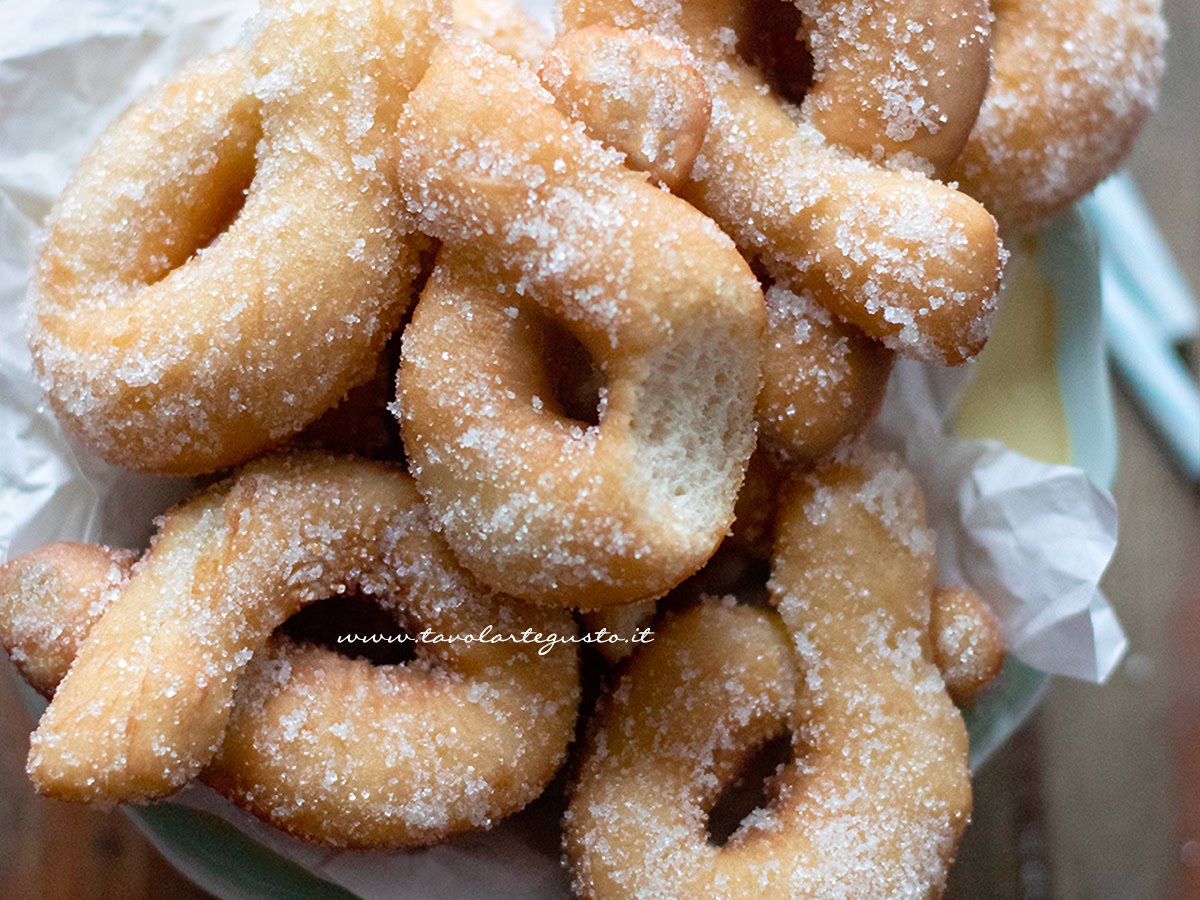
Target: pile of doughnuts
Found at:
x=493, y=331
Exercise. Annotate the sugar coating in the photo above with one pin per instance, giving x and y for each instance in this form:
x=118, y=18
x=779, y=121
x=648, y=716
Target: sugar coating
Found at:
x=539, y=220
x=909, y=260
x=230, y=256
x=1071, y=86
x=823, y=379
x=889, y=252
x=968, y=645
x=890, y=494
x=799, y=315
x=49, y=601
x=897, y=80
x=876, y=793
x=634, y=92
x=504, y=26
x=330, y=749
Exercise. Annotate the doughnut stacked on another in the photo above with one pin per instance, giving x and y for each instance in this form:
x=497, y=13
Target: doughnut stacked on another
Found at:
x=229, y=258
x=876, y=792
x=539, y=222
x=577, y=391
x=849, y=244
x=169, y=669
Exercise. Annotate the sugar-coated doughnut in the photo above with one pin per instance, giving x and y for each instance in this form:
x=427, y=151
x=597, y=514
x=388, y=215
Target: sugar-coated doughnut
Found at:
x=538, y=222
x=360, y=422
x=229, y=258
x=909, y=260
x=968, y=645
x=51, y=598
x=327, y=748
x=876, y=793
x=1072, y=82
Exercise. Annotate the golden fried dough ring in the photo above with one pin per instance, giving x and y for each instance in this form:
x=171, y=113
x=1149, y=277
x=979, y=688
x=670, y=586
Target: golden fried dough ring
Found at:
x=163, y=353
x=330, y=749
x=1072, y=83
x=877, y=791
x=539, y=221
x=910, y=261
x=274, y=765
x=823, y=379
x=968, y=645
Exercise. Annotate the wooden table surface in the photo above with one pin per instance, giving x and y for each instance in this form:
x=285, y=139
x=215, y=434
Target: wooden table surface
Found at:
x=1096, y=798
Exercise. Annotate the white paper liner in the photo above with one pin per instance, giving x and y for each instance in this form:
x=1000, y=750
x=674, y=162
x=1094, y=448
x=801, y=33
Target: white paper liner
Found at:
x=1033, y=538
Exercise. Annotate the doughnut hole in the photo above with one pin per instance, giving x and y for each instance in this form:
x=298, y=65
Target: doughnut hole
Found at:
x=337, y=623
x=214, y=207
x=751, y=791
x=576, y=382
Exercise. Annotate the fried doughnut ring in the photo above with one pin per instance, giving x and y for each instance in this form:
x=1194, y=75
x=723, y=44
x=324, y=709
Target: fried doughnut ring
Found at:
x=1073, y=81
x=823, y=379
x=51, y=598
x=330, y=749
x=538, y=221
x=877, y=791
x=909, y=260
x=161, y=352
x=968, y=645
